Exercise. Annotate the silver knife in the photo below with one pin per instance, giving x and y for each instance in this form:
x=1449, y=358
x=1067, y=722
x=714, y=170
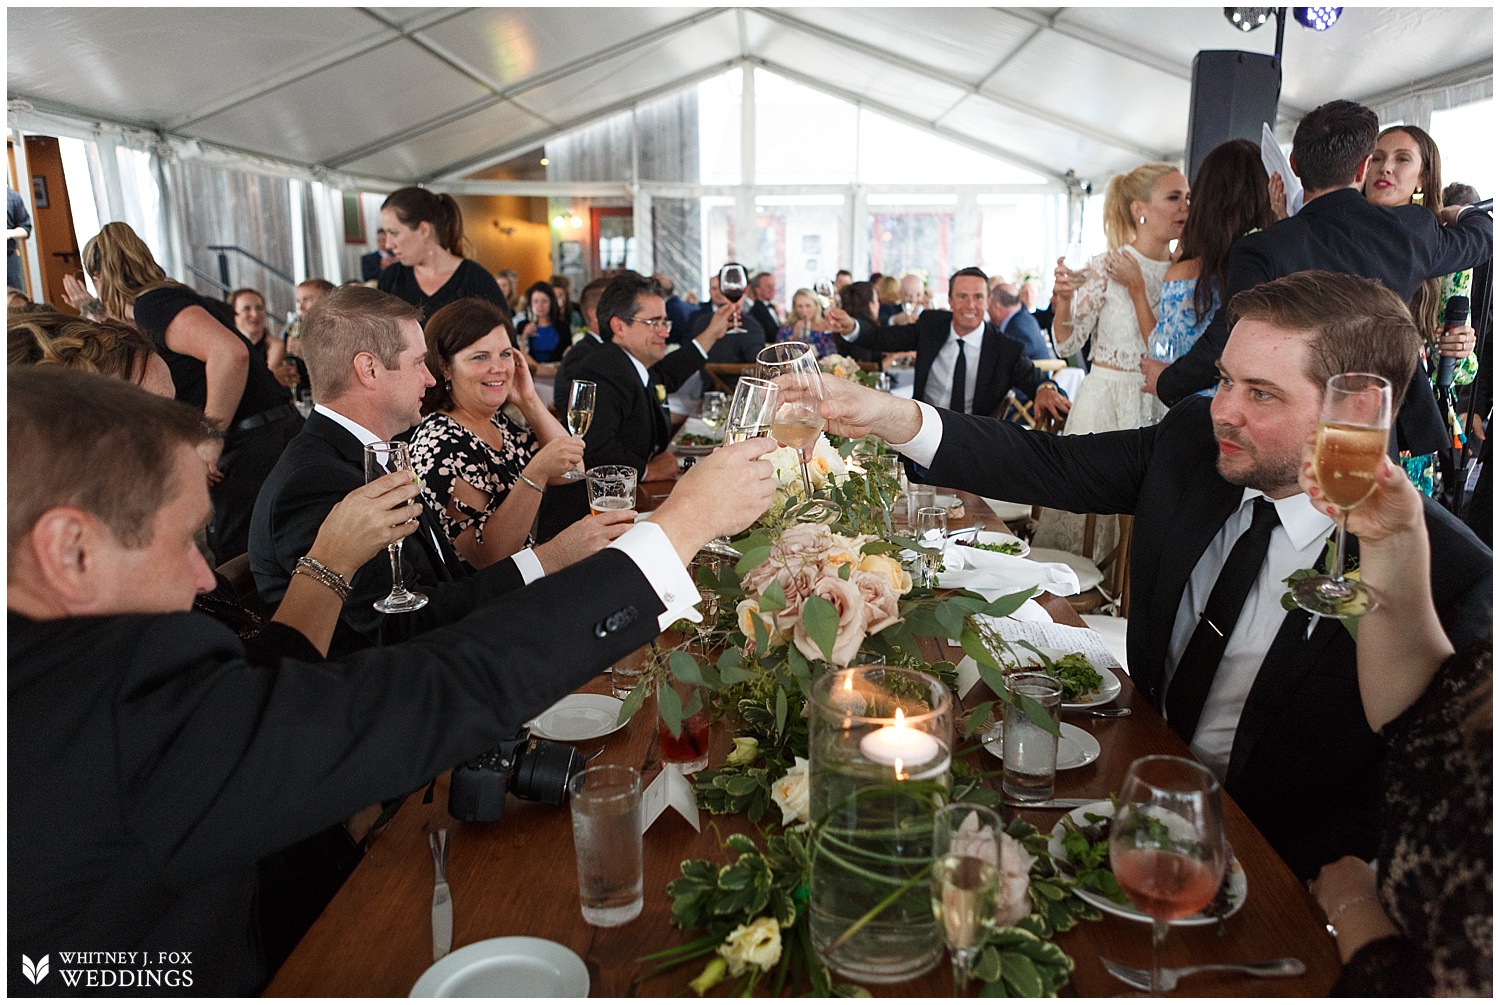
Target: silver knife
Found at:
x=442, y=900
x=1052, y=804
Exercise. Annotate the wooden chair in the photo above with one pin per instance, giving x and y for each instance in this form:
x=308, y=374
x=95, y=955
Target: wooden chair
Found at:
x=1105, y=585
x=723, y=376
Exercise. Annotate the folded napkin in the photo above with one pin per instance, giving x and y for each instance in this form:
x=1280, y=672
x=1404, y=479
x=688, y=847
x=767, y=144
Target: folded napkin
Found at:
x=993, y=575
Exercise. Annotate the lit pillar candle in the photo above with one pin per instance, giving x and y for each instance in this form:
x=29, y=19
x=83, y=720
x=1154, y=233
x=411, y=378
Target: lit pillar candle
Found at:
x=899, y=742
x=846, y=697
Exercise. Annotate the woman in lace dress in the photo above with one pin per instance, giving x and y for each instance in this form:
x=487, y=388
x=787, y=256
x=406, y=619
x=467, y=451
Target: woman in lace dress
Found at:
x=1421, y=922
x=484, y=474
x=1113, y=302
x=1229, y=201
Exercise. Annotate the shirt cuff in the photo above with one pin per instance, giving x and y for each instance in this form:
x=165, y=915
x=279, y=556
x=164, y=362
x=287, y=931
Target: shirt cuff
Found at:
x=651, y=551
x=529, y=565
x=923, y=447
x=701, y=351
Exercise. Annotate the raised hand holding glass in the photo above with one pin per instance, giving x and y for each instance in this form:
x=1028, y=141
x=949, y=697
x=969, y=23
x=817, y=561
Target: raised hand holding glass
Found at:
x=381, y=458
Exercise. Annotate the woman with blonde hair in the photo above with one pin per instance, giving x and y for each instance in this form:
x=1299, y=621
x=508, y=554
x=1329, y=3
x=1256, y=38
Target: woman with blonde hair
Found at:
x=808, y=325
x=211, y=367
x=1114, y=302
x=426, y=231
x=888, y=292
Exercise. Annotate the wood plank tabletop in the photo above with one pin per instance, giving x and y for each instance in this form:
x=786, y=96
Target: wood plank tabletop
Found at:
x=517, y=876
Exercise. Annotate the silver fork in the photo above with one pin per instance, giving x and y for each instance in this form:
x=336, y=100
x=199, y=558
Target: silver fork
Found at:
x=1286, y=966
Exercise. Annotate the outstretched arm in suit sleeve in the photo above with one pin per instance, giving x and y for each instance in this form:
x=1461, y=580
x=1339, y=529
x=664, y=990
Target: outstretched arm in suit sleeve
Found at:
x=1463, y=244
x=1092, y=473
x=1198, y=369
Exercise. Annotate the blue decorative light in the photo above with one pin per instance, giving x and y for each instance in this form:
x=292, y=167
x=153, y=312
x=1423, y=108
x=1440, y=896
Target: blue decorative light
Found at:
x=1247, y=18
x=1317, y=18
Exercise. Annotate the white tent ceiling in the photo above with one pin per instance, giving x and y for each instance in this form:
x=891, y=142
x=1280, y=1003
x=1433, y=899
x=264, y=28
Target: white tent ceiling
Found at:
x=429, y=94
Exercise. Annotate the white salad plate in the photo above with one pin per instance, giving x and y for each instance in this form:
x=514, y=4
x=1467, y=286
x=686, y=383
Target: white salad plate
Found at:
x=513, y=967
x=579, y=717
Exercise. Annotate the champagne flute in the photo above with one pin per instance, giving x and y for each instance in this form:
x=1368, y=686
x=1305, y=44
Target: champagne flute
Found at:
x=1166, y=844
x=965, y=881
x=932, y=534
x=1352, y=436
x=1075, y=260
x=381, y=458
x=798, y=422
x=732, y=283
x=749, y=415
x=580, y=415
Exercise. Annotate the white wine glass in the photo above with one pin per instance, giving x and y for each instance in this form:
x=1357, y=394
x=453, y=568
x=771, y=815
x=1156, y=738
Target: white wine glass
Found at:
x=823, y=290
x=711, y=411
x=798, y=422
x=749, y=415
x=381, y=458
x=965, y=882
x=1166, y=844
x=1353, y=433
x=932, y=533
x=580, y=415
x=732, y=283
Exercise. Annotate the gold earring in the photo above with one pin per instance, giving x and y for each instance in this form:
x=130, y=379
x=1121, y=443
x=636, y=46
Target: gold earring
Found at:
x=1417, y=197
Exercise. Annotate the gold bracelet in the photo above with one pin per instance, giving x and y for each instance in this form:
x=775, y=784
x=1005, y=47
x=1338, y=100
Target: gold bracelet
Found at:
x=320, y=573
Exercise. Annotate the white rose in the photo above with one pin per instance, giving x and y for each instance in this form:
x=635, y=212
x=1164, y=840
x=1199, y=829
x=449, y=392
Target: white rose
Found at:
x=746, y=750
x=792, y=795
x=757, y=944
x=784, y=463
x=746, y=612
x=1015, y=881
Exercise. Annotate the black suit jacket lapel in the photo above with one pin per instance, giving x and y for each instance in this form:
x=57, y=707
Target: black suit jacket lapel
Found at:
x=930, y=339
x=988, y=391
x=1199, y=516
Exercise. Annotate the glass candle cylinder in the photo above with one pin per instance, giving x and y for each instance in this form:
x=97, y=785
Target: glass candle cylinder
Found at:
x=880, y=742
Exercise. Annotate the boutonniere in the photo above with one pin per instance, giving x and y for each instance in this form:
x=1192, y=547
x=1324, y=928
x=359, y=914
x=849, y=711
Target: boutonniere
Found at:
x=1351, y=571
x=661, y=393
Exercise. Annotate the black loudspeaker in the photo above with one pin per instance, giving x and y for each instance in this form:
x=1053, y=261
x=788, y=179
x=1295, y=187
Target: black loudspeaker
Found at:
x=1233, y=93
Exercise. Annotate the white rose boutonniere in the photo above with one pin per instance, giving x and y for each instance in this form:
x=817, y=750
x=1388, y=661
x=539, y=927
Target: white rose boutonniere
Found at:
x=757, y=944
x=792, y=795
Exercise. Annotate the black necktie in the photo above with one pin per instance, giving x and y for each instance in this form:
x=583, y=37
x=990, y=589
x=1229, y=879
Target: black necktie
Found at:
x=1200, y=660
x=960, y=380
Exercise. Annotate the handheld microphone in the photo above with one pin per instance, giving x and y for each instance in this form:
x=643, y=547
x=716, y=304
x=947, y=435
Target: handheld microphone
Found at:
x=1456, y=316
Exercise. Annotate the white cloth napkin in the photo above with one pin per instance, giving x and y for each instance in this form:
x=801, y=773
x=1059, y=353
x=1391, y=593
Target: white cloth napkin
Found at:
x=993, y=575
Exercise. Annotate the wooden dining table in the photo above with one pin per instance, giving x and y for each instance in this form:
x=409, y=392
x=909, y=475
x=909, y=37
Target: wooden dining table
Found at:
x=517, y=876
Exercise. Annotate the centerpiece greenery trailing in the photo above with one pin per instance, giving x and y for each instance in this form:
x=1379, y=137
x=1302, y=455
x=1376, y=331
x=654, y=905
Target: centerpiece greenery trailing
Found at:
x=804, y=599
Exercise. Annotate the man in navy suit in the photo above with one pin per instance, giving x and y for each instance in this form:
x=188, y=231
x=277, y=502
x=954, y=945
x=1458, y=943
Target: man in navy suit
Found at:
x=1276, y=711
x=1014, y=321
x=1339, y=231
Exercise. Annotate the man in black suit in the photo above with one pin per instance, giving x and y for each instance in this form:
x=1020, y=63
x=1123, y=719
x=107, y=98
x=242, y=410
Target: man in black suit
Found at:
x=1339, y=231
x=962, y=342
x=1269, y=700
x=588, y=306
x=1014, y=321
x=364, y=351
x=733, y=347
x=764, y=310
x=370, y=264
x=634, y=373
x=152, y=762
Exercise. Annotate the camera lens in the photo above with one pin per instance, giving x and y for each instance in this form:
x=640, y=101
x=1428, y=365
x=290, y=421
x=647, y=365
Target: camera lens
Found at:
x=542, y=770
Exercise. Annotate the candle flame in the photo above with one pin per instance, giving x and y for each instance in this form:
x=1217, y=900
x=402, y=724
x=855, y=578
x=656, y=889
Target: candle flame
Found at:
x=849, y=681
x=900, y=775
x=900, y=719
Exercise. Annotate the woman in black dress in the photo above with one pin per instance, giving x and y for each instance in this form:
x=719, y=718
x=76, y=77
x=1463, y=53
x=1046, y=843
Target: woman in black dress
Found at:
x=426, y=231
x=1420, y=923
x=212, y=369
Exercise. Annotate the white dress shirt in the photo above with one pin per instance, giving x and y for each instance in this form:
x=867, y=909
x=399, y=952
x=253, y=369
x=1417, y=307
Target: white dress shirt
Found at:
x=1296, y=543
x=939, y=389
x=526, y=561
x=646, y=544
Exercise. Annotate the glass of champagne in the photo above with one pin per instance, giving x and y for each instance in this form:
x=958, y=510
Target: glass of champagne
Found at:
x=1352, y=437
x=715, y=404
x=798, y=422
x=932, y=533
x=381, y=458
x=965, y=881
x=732, y=283
x=580, y=415
x=749, y=415
x=1166, y=844
x=611, y=487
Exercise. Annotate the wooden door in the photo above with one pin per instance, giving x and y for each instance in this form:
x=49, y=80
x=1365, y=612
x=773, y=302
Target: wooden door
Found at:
x=52, y=218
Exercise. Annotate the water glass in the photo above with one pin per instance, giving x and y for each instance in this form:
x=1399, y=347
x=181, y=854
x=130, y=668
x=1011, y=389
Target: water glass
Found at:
x=626, y=675
x=611, y=487
x=606, y=805
x=918, y=497
x=1030, y=751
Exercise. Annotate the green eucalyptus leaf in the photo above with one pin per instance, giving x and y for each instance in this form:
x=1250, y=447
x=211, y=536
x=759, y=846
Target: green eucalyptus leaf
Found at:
x=773, y=597
x=632, y=702
x=751, y=559
x=821, y=619
x=780, y=711
x=686, y=669
x=951, y=617
x=669, y=707
x=1038, y=715
x=975, y=648
x=1007, y=605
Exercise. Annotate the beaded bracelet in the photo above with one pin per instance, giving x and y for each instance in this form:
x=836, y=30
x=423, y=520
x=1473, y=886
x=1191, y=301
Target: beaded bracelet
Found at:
x=1338, y=912
x=533, y=484
x=318, y=572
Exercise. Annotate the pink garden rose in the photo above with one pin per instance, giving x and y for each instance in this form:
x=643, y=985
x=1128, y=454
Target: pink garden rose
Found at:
x=850, y=604
x=881, y=610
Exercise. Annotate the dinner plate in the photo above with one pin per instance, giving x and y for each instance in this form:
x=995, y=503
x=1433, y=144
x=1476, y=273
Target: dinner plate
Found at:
x=579, y=717
x=517, y=966
x=995, y=537
x=1109, y=688
x=1075, y=747
x=1239, y=887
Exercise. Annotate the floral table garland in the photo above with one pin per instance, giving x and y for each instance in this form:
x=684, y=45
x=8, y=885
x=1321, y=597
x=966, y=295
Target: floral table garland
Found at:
x=805, y=598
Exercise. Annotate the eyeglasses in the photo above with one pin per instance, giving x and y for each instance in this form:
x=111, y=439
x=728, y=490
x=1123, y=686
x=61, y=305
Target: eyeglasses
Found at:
x=655, y=324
